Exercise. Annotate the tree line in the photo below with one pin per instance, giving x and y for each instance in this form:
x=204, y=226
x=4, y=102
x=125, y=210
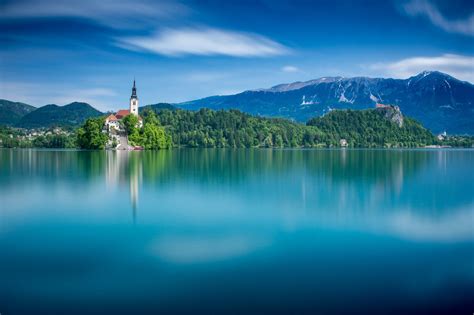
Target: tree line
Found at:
x=205, y=128
x=232, y=128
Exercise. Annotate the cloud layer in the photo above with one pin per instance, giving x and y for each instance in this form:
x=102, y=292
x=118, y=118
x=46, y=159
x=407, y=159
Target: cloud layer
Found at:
x=117, y=14
x=204, y=41
x=430, y=11
x=458, y=66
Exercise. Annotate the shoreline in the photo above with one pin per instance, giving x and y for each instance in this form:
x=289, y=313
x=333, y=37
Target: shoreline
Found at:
x=426, y=148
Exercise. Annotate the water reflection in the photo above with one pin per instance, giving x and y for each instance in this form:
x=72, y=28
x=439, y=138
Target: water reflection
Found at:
x=125, y=168
x=406, y=191
x=349, y=182
x=287, y=229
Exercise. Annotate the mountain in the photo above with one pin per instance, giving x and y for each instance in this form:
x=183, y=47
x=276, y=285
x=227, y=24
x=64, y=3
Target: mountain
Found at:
x=12, y=112
x=52, y=115
x=157, y=107
x=439, y=101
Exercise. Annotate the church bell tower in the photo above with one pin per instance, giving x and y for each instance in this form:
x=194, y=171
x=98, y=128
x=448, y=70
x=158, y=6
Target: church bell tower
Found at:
x=134, y=101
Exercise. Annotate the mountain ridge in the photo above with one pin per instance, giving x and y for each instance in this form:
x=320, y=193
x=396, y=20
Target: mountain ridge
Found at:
x=438, y=100
x=283, y=87
x=12, y=112
x=52, y=115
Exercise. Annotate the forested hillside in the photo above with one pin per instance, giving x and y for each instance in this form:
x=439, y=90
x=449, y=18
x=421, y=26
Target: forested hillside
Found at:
x=367, y=128
x=12, y=112
x=372, y=128
x=207, y=128
x=71, y=115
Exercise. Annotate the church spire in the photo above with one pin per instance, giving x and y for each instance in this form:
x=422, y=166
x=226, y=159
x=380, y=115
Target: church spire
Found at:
x=134, y=100
x=134, y=90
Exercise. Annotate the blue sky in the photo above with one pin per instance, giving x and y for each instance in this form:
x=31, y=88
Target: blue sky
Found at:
x=63, y=51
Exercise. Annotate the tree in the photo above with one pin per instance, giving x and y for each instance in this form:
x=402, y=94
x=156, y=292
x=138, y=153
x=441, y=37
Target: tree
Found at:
x=130, y=123
x=154, y=137
x=150, y=117
x=90, y=135
x=134, y=137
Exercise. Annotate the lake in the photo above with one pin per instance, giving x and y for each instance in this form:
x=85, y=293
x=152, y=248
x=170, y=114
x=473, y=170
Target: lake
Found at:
x=214, y=231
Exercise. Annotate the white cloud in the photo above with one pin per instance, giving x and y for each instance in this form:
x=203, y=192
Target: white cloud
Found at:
x=427, y=9
x=460, y=67
x=290, y=69
x=204, y=41
x=124, y=13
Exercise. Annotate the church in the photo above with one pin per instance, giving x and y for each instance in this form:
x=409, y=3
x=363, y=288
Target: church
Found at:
x=113, y=120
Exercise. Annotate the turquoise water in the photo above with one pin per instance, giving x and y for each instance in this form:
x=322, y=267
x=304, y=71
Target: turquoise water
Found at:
x=237, y=232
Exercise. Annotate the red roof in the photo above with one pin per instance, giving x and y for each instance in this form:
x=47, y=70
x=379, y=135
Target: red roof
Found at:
x=111, y=117
x=122, y=113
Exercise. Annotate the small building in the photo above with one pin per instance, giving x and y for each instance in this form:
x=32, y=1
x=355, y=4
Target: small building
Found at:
x=112, y=122
x=343, y=143
x=442, y=136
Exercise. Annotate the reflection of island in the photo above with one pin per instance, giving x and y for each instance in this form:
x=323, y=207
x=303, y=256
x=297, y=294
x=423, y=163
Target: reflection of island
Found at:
x=356, y=177
x=334, y=185
x=349, y=182
x=124, y=168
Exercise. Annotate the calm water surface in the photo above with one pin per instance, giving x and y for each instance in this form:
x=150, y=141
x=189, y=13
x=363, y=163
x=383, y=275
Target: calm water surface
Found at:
x=237, y=232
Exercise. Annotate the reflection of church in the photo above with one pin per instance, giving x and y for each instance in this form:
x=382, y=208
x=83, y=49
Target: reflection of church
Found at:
x=124, y=169
x=113, y=120
x=135, y=177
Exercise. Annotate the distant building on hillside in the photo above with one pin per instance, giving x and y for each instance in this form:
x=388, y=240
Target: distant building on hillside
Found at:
x=113, y=120
x=442, y=136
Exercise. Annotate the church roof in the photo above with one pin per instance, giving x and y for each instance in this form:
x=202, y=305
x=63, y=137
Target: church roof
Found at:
x=122, y=113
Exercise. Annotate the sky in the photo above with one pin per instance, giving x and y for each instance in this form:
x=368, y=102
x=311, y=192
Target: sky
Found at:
x=60, y=51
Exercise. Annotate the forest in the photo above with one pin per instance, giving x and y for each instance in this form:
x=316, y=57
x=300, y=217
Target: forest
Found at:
x=232, y=128
x=205, y=128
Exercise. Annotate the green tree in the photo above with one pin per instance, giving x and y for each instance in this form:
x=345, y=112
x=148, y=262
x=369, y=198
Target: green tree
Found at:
x=90, y=135
x=135, y=137
x=130, y=123
x=154, y=137
x=150, y=117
